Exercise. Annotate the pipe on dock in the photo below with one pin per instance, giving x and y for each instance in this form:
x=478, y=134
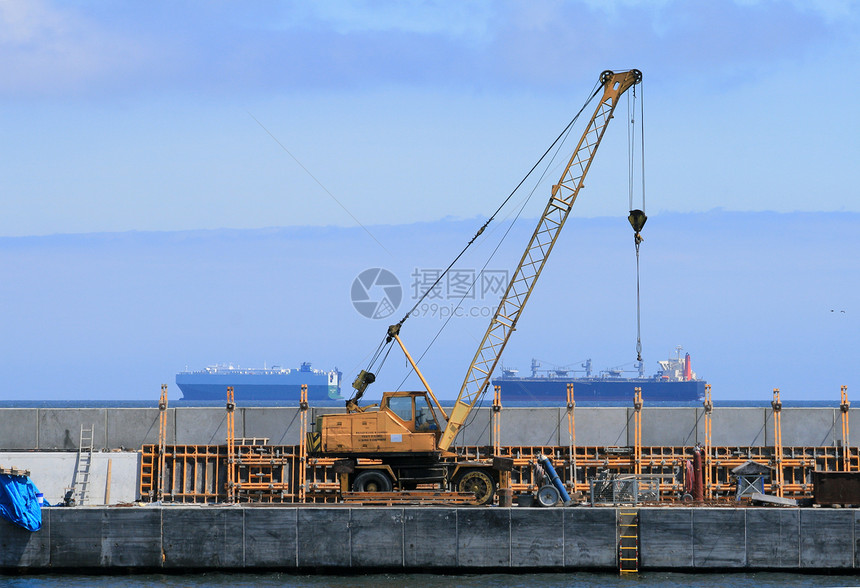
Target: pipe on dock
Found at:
x=553, y=476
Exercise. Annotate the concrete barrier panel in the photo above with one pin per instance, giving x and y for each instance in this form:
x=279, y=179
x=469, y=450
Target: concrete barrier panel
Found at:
x=666, y=538
x=51, y=472
x=60, y=428
x=103, y=538
x=826, y=538
x=54, y=472
x=222, y=537
x=853, y=421
x=602, y=427
x=669, y=427
x=856, y=537
x=719, y=538
x=280, y=425
x=76, y=538
x=477, y=430
x=270, y=537
x=376, y=537
x=323, y=538
x=20, y=548
x=204, y=426
x=199, y=537
x=19, y=428
x=317, y=411
x=743, y=427
x=527, y=426
x=537, y=537
x=131, y=537
x=773, y=538
x=484, y=537
x=131, y=428
x=810, y=427
x=429, y=537
x=590, y=539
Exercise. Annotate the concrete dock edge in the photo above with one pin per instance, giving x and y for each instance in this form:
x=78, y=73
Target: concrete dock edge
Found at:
x=331, y=538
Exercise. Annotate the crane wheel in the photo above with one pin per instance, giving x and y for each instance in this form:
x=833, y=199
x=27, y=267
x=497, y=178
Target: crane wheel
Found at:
x=371, y=481
x=478, y=483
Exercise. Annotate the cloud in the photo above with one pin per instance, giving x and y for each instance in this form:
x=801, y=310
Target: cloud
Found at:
x=231, y=47
x=49, y=50
x=464, y=20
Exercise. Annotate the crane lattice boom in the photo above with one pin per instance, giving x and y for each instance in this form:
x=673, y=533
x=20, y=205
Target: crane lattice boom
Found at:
x=522, y=283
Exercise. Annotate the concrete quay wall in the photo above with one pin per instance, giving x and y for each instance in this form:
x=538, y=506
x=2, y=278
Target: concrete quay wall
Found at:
x=52, y=429
x=413, y=538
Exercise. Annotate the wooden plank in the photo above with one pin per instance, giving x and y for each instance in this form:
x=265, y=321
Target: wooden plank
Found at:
x=13, y=471
x=416, y=497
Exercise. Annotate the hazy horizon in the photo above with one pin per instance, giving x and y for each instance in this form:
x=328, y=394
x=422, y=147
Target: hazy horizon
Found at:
x=760, y=300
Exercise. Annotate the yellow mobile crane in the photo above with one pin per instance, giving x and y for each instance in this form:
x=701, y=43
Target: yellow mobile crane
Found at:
x=402, y=441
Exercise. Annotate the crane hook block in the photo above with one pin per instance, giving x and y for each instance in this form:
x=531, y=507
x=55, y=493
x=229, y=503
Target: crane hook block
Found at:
x=637, y=220
x=363, y=380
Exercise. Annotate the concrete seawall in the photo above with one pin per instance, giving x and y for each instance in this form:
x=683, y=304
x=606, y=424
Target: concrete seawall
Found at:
x=51, y=429
x=408, y=538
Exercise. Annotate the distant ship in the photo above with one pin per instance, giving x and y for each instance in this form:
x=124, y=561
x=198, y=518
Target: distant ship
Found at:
x=268, y=384
x=674, y=382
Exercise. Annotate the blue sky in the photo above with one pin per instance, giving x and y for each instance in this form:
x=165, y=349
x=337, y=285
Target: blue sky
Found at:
x=177, y=117
x=143, y=116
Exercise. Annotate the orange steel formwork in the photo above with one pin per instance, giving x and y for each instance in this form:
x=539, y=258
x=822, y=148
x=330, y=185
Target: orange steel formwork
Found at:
x=250, y=470
x=778, y=483
x=708, y=463
x=270, y=473
x=571, y=431
x=231, y=446
x=843, y=407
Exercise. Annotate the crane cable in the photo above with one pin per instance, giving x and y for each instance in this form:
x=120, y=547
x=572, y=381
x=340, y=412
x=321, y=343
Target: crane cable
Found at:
x=388, y=337
x=502, y=205
x=637, y=217
x=487, y=262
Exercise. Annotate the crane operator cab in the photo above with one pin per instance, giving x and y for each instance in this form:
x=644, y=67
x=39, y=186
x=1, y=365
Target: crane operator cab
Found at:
x=414, y=409
x=404, y=423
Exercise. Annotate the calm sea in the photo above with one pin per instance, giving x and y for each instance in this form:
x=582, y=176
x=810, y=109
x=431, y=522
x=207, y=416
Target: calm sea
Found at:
x=649, y=580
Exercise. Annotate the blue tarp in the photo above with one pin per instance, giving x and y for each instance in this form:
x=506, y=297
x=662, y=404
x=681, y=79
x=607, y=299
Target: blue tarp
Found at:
x=18, y=502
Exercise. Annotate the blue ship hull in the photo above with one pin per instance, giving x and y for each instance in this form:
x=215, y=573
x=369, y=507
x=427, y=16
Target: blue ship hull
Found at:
x=597, y=389
x=283, y=385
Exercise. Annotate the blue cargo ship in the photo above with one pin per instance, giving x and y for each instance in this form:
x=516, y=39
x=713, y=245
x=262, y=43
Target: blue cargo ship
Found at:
x=674, y=382
x=259, y=384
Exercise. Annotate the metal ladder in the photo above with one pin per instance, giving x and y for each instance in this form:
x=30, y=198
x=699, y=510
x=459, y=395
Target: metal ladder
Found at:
x=628, y=541
x=85, y=459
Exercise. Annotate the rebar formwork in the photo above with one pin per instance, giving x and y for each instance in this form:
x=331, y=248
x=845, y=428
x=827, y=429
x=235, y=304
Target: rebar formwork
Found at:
x=270, y=473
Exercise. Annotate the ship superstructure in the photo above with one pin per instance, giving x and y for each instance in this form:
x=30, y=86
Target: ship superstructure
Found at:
x=259, y=384
x=674, y=381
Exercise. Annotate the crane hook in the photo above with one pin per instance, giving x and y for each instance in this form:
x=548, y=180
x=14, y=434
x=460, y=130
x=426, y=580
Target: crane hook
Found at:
x=637, y=220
